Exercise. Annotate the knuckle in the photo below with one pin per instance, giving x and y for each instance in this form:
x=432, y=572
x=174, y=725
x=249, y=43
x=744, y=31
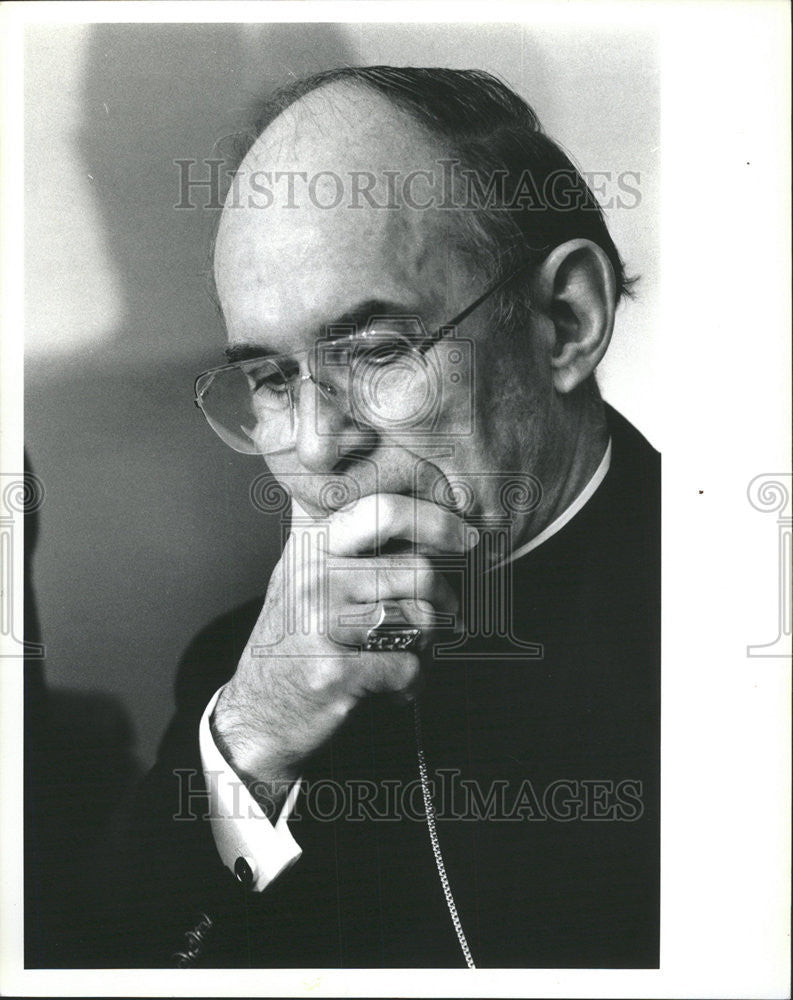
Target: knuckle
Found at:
x=424, y=608
x=325, y=676
x=342, y=707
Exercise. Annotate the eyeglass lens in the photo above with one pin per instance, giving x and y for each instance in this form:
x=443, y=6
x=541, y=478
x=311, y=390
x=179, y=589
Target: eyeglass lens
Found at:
x=381, y=381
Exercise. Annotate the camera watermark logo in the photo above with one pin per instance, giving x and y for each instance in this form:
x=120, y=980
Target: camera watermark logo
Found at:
x=387, y=380
x=770, y=493
x=20, y=494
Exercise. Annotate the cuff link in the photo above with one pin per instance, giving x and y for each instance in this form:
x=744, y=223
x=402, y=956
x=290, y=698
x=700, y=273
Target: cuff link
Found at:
x=243, y=871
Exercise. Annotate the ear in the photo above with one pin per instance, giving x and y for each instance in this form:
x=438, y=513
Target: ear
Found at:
x=576, y=290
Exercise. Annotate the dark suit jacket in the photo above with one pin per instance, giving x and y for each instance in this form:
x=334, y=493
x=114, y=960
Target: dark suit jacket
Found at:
x=551, y=839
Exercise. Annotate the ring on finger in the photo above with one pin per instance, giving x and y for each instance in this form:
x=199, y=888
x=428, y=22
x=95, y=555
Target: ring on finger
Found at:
x=391, y=632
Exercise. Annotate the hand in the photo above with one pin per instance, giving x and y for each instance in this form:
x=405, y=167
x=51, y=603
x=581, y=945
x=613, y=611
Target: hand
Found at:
x=311, y=670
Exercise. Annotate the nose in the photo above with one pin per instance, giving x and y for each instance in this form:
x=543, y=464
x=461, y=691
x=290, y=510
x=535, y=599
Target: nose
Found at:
x=325, y=432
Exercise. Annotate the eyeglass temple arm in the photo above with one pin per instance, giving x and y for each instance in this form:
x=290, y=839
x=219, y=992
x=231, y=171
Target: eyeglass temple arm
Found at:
x=456, y=320
x=439, y=333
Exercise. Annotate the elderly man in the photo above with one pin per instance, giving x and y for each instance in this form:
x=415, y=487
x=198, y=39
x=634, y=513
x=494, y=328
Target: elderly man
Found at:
x=435, y=742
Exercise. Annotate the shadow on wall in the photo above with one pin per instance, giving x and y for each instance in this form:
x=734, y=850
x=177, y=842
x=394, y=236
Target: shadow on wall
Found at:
x=149, y=531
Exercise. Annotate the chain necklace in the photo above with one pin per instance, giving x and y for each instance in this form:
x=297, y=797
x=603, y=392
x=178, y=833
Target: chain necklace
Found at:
x=429, y=811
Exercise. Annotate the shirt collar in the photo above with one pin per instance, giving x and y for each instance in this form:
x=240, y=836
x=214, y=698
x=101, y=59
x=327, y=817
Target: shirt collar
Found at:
x=567, y=515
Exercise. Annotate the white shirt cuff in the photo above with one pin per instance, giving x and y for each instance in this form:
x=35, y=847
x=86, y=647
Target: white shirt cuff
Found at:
x=239, y=826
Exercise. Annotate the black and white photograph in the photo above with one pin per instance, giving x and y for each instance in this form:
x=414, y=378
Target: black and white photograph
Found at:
x=396, y=499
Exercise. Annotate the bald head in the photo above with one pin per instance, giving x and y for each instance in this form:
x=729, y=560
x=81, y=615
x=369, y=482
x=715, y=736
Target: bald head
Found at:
x=344, y=117
x=329, y=210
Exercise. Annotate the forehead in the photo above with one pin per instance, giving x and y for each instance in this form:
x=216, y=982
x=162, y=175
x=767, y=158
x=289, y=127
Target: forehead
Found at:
x=317, y=220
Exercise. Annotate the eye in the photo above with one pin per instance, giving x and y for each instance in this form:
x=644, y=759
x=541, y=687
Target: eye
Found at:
x=268, y=378
x=275, y=383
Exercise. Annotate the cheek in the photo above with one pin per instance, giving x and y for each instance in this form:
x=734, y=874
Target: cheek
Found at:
x=511, y=410
x=514, y=391
x=287, y=476
x=318, y=493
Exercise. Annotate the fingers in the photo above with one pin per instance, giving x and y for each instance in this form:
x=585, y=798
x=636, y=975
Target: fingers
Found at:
x=350, y=624
x=342, y=550
x=393, y=673
x=374, y=520
x=333, y=681
x=411, y=578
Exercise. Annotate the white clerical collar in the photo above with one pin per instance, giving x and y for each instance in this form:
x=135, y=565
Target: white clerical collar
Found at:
x=566, y=515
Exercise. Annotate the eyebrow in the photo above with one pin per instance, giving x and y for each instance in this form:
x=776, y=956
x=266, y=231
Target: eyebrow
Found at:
x=245, y=351
x=361, y=313
x=358, y=316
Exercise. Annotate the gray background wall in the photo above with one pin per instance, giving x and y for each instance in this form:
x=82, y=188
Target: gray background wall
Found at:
x=147, y=531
